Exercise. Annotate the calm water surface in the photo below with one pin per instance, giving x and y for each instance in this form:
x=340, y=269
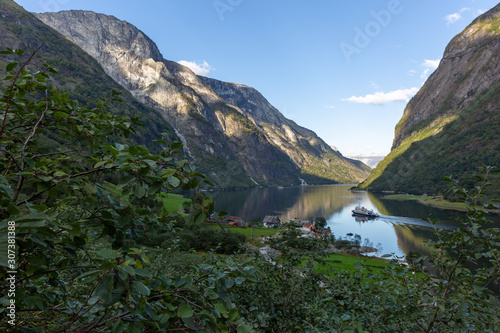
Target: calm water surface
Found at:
x=399, y=229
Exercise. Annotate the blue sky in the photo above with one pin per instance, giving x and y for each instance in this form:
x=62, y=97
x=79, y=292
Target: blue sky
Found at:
x=344, y=69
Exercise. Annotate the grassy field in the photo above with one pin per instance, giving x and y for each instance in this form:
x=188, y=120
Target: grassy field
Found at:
x=173, y=202
x=257, y=232
x=434, y=201
x=341, y=261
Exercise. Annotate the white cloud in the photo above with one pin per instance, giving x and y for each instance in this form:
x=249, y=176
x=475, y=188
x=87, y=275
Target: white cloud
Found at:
x=452, y=18
x=331, y=107
x=432, y=64
x=425, y=73
x=412, y=72
x=199, y=69
x=381, y=98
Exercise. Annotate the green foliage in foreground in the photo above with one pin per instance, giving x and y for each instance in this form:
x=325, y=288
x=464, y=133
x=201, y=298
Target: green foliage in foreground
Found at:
x=81, y=213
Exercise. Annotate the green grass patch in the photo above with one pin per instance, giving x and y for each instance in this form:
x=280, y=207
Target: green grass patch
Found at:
x=434, y=201
x=173, y=202
x=341, y=261
x=256, y=231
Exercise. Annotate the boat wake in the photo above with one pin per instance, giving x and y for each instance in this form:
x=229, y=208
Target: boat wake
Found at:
x=401, y=220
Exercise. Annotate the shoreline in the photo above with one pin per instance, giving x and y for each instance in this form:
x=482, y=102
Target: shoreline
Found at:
x=434, y=201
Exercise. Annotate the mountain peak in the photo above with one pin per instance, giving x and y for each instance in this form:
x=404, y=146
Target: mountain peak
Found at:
x=107, y=31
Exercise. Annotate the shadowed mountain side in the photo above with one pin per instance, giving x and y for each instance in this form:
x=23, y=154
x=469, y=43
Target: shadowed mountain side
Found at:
x=457, y=146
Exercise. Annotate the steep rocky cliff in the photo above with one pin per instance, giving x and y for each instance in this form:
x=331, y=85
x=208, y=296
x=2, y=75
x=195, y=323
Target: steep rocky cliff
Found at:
x=231, y=132
x=451, y=126
x=80, y=75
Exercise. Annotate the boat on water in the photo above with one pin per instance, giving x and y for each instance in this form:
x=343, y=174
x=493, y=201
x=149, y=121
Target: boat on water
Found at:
x=362, y=211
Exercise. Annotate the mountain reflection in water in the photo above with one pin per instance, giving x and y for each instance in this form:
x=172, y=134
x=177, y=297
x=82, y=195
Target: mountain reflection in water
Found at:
x=399, y=230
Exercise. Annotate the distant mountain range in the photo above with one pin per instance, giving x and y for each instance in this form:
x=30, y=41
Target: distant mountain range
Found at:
x=370, y=160
x=230, y=131
x=452, y=125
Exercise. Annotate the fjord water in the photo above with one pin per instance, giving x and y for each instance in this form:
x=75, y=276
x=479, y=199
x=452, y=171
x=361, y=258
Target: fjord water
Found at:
x=399, y=229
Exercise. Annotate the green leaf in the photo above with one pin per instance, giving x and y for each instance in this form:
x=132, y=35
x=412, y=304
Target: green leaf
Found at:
x=105, y=288
x=245, y=329
x=143, y=272
x=141, y=288
x=89, y=273
x=126, y=180
x=118, y=327
x=151, y=163
x=60, y=174
x=345, y=317
x=11, y=66
x=221, y=308
x=134, y=327
x=140, y=192
x=185, y=311
x=164, y=318
x=133, y=150
x=174, y=181
x=108, y=253
x=127, y=269
x=229, y=283
x=176, y=145
x=234, y=315
x=115, y=296
x=111, y=149
x=59, y=114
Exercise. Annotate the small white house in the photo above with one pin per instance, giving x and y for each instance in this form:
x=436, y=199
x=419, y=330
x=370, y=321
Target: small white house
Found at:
x=271, y=221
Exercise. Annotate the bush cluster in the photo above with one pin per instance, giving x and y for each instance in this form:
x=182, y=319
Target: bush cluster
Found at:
x=198, y=238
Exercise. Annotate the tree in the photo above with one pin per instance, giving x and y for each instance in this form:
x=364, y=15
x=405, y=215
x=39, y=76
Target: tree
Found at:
x=320, y=222
x=77, y=198
x=76, y=202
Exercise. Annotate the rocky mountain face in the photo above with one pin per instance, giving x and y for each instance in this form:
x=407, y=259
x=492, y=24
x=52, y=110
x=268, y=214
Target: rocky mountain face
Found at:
x=451, y=126
x=80, y=75
x=303, y=146
x=230, y=131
